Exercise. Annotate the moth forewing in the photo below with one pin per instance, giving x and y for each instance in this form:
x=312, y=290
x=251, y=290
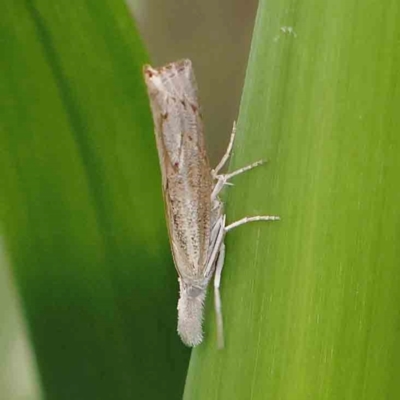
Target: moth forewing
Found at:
x=187, y=185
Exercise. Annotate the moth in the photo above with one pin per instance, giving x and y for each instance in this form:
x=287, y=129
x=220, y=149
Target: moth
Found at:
x=195, y=214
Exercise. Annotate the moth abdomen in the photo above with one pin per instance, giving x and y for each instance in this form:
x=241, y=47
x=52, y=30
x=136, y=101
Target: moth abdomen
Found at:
x=190, y=314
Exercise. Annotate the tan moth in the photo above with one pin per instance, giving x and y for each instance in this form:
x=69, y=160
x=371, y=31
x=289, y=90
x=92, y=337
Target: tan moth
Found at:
x=194, y=212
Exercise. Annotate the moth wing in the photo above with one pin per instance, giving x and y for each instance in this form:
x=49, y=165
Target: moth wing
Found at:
x=186, y=174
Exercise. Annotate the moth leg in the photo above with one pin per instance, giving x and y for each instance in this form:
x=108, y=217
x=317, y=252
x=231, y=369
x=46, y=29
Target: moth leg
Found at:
x=245, y=220
x=217, y=296
x=222, y=180
x=243, y=169
x=220, y=265
x=215, y=246
x=227, y=154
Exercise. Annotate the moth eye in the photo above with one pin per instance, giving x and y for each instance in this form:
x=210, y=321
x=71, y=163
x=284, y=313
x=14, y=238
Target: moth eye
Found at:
x=164, y=115
x=176, y=164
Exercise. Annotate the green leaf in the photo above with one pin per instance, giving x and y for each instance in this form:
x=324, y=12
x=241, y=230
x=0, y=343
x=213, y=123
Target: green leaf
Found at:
x=81, y=206
x=311, y=303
